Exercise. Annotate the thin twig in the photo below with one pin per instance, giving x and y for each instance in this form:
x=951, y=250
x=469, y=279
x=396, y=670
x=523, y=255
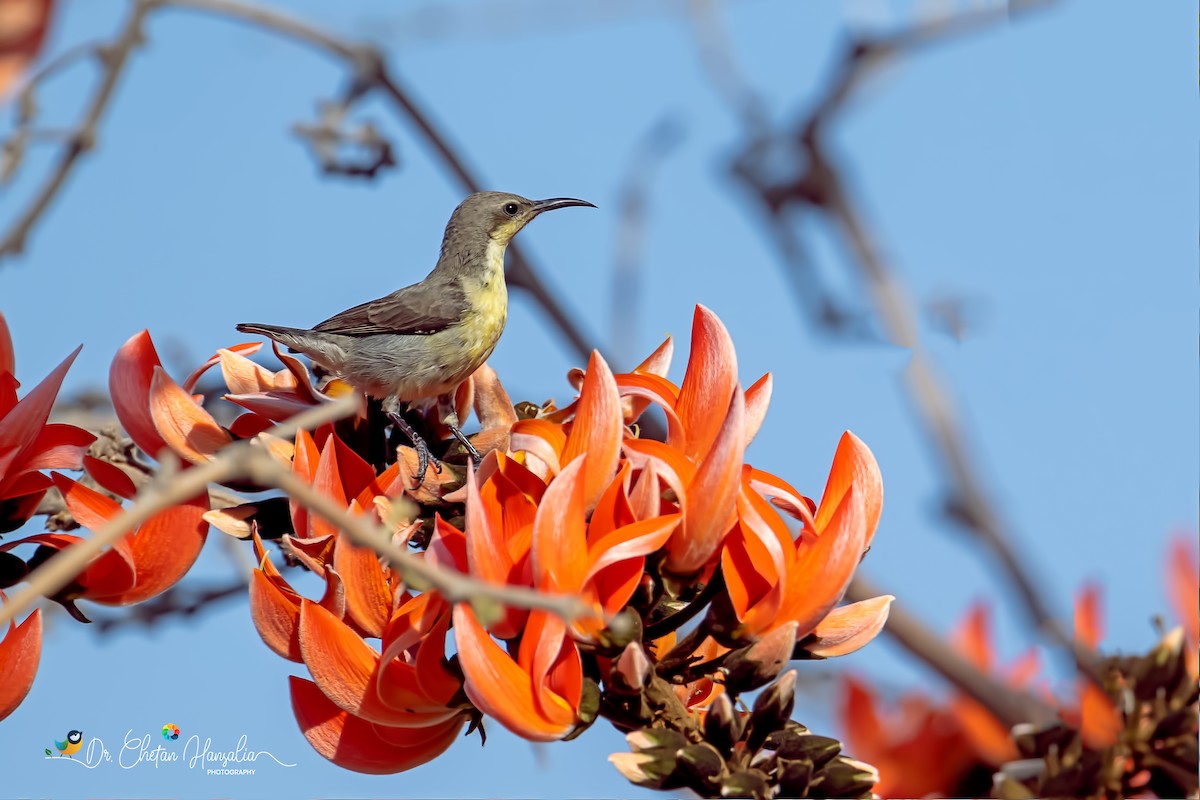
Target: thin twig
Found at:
x=113, y=59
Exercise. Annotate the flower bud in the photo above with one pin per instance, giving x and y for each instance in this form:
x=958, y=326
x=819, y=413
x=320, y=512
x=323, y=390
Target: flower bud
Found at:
x=701, y=765
x=632, y=669
x=757, y=665
x=771, y=710
x=722, y=725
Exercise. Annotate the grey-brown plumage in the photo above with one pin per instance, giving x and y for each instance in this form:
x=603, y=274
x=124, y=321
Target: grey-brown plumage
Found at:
x=423, y=340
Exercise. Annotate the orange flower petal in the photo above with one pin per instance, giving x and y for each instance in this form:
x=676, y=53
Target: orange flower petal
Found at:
x=129, y=380
x=758, y=397
x=540, y=439
x=497, y=685
x=110, y=477
x=355, y=744
x=640, y=388
x=708, y=383
x=347, y=670
x=853, y=465
x=248, y=348
x=487, y=554
x=1089, y=621
x=58, y=446
x=657, y=363
x=242, y=375
x=559, y=547
x=1100, y=722
x=973, y=638
x=368, y=593
x=988, y=736
x=493, y=408
x=20, y=651
x=276, y=615
x=163, y=550
x=755, y=562
x=596, y=430
x=711, y=496
x=187, y=428
x=89, y=508
x=1183, y=586
x=848, y=628
x=823, y=569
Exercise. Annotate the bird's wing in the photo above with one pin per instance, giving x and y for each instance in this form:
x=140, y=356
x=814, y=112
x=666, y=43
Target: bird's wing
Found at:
x=422, y=308
x=60, y=745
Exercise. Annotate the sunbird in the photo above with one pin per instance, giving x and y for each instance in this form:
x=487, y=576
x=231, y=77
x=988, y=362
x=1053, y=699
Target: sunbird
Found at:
x=415, y=345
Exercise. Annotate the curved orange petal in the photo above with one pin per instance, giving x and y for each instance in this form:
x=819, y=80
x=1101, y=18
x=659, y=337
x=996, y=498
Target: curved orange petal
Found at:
x=973, y=638
x=1089, y=621
x=248, y=348
x=356, y=744
x=58, y=446
x=847, y=628
x=1100, y=723
x=596, y=430
x=783, y=496
x=187, y=428
x=540, y=438
x=20, y=651
x=756, y=561
x=643, y=388
x=853, y=465
x=368, y=593
x=347, y=670
x=89, y=508
x=497, y=685
x=708, y=383
x=1183, y=585
x=618, y=558
x=711, y=496
x=276, y=615
x=242, y=375
x=163, y=549
x=988, y=736
x=110, y=477
x=823, y=568
x=129, y=380
x=559, y=548
x=487, y=554
x=657, y=363
x=758, y=398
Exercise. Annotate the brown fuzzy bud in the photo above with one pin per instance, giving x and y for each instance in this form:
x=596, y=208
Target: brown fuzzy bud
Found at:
x=771, y=710
x=757, y=665
x=722, y=725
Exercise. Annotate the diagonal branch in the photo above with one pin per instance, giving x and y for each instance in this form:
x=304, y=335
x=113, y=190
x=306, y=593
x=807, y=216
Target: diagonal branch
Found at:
x=246, y=459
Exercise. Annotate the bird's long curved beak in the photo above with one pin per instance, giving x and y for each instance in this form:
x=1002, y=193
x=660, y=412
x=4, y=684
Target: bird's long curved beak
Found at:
x=558, y=202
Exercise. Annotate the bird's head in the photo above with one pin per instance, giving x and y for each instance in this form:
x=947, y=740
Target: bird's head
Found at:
x=74, y=737
x=499, y=215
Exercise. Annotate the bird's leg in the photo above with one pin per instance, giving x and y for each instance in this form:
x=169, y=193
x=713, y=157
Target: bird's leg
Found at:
x=391, y=407
x=449, y=418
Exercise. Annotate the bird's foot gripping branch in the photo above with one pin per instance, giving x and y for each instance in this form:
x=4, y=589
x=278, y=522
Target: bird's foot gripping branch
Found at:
x=582, y=571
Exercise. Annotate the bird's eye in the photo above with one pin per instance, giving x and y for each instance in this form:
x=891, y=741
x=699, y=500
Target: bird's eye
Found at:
x=510, y=209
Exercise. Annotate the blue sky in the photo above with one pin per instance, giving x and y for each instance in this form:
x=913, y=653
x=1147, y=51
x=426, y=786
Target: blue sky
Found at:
x=1044, y=171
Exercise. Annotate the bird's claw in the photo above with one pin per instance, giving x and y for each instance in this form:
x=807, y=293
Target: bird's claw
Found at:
x=466, y=443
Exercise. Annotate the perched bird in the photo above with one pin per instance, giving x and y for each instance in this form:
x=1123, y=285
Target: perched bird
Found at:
x=418, y=343
x=71, y=744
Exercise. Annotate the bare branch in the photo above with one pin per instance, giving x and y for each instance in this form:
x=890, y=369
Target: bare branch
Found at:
x=113, y=59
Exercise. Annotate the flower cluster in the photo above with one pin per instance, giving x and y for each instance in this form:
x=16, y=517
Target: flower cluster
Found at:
x=139, y=566
x=1135, y=734
x=649, y=533
x=567, y=501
